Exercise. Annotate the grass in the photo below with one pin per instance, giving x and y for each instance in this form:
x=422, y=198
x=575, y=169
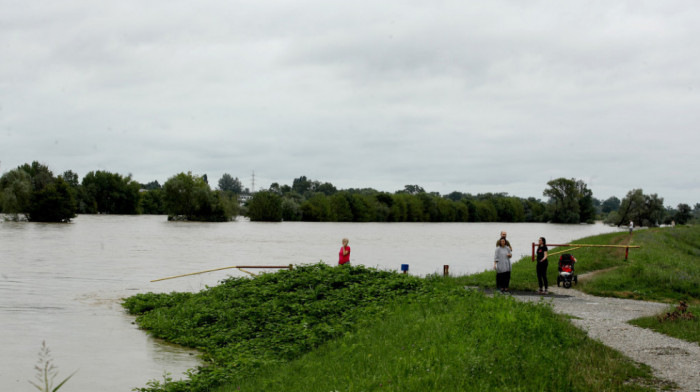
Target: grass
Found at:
x=243, y=324
x=524, y=276
x=457, y=340
x=685, y=329
x=46, y=372
x=666, y=269
x=321, y=328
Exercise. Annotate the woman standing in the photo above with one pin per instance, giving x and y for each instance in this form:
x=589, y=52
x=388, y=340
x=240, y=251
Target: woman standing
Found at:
x=501, y=264
x=344, y=254
x=542, y=264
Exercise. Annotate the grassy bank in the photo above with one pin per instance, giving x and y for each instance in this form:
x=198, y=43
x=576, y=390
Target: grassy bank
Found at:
x=243, y=324
x=524, y=277
x=456, y=340
x=666, y=269
x=686, y=329
x=321, y=328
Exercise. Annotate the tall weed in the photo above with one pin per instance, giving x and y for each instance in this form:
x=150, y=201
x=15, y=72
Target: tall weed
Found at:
x=46, y=372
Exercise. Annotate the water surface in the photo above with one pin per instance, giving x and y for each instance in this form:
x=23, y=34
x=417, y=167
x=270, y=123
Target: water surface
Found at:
x=63, y=283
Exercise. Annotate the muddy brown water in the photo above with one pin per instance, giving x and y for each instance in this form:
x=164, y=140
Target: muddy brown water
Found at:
x=63, y=283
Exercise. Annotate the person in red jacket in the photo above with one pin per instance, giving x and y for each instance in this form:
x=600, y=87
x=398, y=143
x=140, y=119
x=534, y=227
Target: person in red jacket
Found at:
x=344, y=254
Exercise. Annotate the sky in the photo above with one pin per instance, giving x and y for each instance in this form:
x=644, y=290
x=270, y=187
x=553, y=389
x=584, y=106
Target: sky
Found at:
x=475, y=97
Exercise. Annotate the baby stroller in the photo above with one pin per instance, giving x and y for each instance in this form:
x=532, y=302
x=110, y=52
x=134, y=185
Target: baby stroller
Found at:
x=566, y=270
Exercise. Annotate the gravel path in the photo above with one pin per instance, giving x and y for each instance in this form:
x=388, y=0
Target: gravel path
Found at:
x=605, y=319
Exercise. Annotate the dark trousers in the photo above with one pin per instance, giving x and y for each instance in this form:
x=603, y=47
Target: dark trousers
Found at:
x=503, y=280
x=542, y=274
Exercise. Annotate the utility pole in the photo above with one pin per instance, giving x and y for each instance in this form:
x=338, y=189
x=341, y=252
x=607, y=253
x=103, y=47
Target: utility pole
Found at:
x=253, y=185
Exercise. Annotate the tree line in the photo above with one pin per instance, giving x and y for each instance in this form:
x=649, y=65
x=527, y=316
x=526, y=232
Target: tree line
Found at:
x=33, y=192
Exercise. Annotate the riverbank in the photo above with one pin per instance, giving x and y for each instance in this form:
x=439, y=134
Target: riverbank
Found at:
x=433, y=335
x=607, y=319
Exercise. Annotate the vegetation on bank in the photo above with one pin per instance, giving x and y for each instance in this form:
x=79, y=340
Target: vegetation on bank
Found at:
x=686, y=328
x=321, y=328
x=524, y=276
x=244, y=323
x=456, y=340
x=666, y=268
x=32, y=191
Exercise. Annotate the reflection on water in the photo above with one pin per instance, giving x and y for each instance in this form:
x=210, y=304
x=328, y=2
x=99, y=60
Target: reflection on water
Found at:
x=63, y=283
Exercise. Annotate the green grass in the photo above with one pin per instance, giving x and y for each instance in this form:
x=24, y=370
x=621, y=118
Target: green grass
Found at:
x=456, y=340
x=243, y=324
x=682, y=329
x=524, y=275
x=666, y=268
x=321, y=328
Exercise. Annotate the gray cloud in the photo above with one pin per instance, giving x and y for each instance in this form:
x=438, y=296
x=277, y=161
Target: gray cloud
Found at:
x=500, y=96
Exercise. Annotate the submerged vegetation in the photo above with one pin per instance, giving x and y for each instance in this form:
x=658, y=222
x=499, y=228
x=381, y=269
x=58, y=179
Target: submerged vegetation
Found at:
x=32, y=191
x=243, y=323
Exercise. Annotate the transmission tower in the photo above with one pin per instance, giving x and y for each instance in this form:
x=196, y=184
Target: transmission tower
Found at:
x=253, y=183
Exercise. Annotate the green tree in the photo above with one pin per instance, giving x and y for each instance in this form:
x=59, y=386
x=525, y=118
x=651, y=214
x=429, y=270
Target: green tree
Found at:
x=570, y=201
x=301, y=185
x=643, y=210
x=317, y=209
x=446, y=210
x=71, y=178
x=265, y=206
x=383, y=203
x=412, y=189
x=188, y=197
x=291, y=210
x=341, y=207
x=610, y=204
x=229, y=184
x=54, y=203
x=151, y=186
x=534, y=209
x=399, y=208
x=110, y=193
x=16, y=188
x=485, y=211
x=683, y=214
x=153, y=202
x=587, y=210
x=33, y=191
x=363, y=207
x=509, y=209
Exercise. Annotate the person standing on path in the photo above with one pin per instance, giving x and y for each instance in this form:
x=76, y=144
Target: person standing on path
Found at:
x=631, y=227
x=501, y=263
x=503, y=236
x=344, y=254
x=542, y=264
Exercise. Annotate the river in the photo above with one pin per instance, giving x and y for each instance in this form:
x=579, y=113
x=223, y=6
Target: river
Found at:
x=63, y=283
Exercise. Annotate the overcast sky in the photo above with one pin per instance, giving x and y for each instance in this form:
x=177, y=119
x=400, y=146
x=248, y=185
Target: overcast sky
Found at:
x=491, y=96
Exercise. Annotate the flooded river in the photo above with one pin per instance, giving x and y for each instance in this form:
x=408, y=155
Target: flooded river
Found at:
x=63, y=283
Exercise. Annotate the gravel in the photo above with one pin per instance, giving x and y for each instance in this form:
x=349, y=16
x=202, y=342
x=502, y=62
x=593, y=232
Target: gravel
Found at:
x=605, y=319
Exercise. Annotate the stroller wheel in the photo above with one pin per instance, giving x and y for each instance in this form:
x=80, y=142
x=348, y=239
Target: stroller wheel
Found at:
x=567, y=284
x=558, y=281
x=576, y=279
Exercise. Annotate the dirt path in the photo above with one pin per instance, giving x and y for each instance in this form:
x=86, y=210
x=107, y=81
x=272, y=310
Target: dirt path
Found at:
x=606, y=319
